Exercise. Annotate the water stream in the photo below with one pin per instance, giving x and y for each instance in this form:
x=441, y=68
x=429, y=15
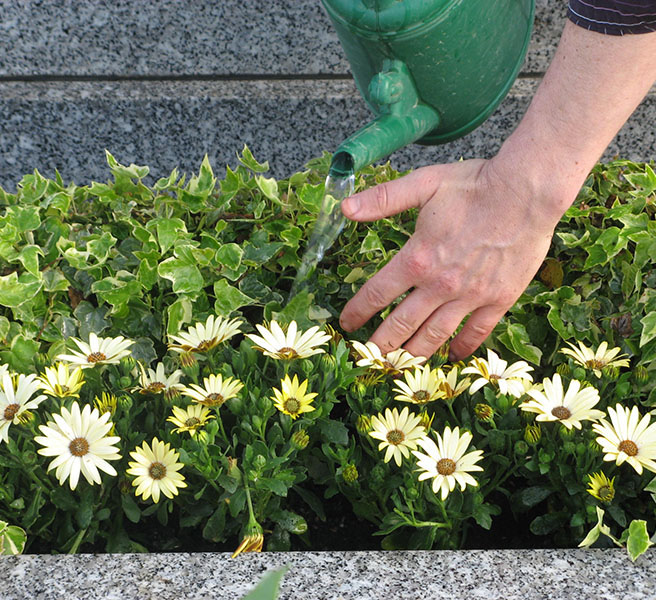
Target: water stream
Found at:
x=340, y=184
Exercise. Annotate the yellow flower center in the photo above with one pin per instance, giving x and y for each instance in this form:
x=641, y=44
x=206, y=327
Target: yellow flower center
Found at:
x=561, y=412
x=628, y=447
x=606, y=493
x=79, y=447
x=446, y=466
x=192, y=422
x=10, y=411
x=292, y=406
x=155, y=387
x=157, y=471
x=64, y=388
x=287, y=353
x=395, y=437
x=95, y=357
x=214, y=399
x=421, y=396
x=205, y=345
x=595, y=363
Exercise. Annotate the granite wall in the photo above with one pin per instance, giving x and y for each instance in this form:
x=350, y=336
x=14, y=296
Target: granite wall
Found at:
x=164, y=83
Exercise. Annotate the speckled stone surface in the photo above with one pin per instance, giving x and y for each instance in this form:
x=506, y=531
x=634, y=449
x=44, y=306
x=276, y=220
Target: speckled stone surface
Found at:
x=68, y=125
x=199, y=37
x=456, y=575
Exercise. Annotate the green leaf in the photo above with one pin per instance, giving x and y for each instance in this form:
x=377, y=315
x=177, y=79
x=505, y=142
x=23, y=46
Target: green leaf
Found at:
x=229, y=255
x=249, y=162
x=371, y=243
x=168, y=231
x=29, y=257
x=228, y=298
x=183, y=273
x=116, y=292
x=215, y=525
x=516, y=338
x=638, y=540
x=533, y=495
x=334, y=432
x=23, y=351
x=15, y=290
x=268, y=587
x=648, y=328
x=12, y=539
x=91, y=318
x=25, y=218
x=269, y=187
x=179, y=313
x=130, y=508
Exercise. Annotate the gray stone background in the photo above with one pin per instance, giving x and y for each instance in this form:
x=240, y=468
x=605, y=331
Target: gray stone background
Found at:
x=164, y=83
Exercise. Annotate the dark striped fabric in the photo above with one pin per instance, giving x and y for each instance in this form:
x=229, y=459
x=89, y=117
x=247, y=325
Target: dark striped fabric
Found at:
x=614, y=17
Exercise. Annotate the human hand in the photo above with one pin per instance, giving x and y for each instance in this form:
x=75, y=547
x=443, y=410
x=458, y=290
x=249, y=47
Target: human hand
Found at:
x=478, y=241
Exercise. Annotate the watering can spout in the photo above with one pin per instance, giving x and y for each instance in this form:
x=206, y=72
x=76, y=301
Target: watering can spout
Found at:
x=403, y=119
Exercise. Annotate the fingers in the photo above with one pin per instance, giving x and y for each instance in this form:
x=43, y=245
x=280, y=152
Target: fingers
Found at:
x=475, y=331
x=437, y=329
x=407, y=269
x=393, y=197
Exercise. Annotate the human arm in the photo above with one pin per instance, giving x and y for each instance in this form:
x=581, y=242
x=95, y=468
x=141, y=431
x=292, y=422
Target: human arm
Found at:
x=484, y=226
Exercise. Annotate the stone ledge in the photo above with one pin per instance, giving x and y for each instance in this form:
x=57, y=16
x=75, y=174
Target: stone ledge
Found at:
x=204, y=37
x=452, y=575
x=67, y=126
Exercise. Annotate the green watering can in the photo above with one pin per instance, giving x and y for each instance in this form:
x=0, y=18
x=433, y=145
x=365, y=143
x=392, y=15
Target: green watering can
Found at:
x=430, y=70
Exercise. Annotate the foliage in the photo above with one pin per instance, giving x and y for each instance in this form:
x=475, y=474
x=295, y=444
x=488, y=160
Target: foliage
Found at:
x=145, y=261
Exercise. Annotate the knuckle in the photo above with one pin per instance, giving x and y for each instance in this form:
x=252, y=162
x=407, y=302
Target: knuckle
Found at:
x=449, y=283
x=435, y=335
x=400, y=325
x=374, y=297
x=417, y=263
x=382, y=198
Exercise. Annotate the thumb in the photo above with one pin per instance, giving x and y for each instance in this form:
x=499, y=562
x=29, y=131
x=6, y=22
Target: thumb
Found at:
x=393, y=197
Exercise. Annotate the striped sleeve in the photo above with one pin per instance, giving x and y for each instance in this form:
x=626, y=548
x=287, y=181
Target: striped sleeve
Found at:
x=614, y=17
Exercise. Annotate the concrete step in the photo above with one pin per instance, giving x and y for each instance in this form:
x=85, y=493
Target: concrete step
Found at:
x=166, y=38
x=434, y=575
x=68, y=125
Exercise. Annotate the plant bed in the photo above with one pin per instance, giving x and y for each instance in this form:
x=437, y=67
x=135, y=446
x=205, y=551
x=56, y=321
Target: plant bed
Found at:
x=147, y=334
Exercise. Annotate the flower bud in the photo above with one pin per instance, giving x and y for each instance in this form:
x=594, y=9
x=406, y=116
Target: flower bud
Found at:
x=521, y=448
x=233, y=468
x=564, y=370
x=171, y=394
x=300, y=439
x=532, y=433
x=127, y=365
x=259, y=462
x=426, y=420
x=363, y=424
x=378, y=404
x=641, y=374
x=484, y=412
x=566, y=434
x=350, y=473
x=328, y=361
x=412, y=493
x=442, y=354
x=359, y=389
x=610, y=372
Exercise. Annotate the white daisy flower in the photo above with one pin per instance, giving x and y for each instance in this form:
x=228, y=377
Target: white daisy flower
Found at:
x=398, y=433
x=15, y=398
x=570, y=408
x=509, y=380
x=202, y=337
x=628, y=438
x=190, y=419
x=99, y=351
x=393, y=362
x=156, y=471
x=596, y=360
x=421, y=385
x=449, y=384
x=215, y=390
x=154, y=381
x=79, y=442
x=276, y=343
x=447, y=462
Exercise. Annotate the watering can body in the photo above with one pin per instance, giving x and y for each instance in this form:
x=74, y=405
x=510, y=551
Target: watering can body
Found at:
x=430, y=70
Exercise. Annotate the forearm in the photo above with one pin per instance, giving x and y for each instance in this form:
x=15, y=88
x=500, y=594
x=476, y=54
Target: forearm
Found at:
x=592, y=86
